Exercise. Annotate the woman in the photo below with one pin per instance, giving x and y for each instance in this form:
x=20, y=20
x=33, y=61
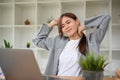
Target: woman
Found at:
x=66, y=49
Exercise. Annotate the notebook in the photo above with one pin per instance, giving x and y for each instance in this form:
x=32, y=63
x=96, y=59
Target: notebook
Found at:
x=19, y=64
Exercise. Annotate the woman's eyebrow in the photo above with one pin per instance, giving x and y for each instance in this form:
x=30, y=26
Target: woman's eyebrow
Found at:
x=66, y=21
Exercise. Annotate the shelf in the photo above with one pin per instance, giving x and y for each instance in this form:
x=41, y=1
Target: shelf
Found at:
x=46, y=1
x=72, y=0
x=94, y=8
x=42, y=58
x=24, y=35
x=6, y=14
x=96, y=0
x=115, y=37
x=115, y=11
x=79, y=0
x=105, y=53
x=114, y=25
x=7, y=34
x=107, y=70
x=78, y=8
x=40, y=49
x=24, y=26
x=2, y=26
x=26, y=1
x=104, y=49
x=115, y=65
x=13, y=14
x=46, y=11
x=115, y=49
x=116, y=55
x=33, y=49
x=24, y=12
x=6, y=1
x=5, y=4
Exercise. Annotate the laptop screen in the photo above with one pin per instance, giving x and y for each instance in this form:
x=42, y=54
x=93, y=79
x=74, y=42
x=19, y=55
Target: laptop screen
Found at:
x=19, y=64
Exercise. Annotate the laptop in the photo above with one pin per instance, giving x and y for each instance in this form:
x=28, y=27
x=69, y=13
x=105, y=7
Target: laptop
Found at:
x=19, y=64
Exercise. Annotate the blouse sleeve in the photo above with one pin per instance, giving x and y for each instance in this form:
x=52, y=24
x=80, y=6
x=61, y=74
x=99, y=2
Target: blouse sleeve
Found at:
x=101, y=24
x=42, y=40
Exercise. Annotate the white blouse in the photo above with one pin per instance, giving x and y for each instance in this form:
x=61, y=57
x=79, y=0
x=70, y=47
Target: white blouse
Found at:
x=68, y=60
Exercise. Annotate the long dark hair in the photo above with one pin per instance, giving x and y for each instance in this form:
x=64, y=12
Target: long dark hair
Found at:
x=83, y=42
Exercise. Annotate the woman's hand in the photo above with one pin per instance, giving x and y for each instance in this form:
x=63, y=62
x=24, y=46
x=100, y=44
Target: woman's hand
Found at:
x=117, y=73
x=53, y=22
x=81, y=28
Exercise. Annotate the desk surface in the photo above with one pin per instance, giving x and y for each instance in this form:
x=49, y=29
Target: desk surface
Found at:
x=73, y=78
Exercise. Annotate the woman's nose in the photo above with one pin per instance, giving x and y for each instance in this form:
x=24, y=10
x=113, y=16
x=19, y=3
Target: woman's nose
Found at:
x=66, y=26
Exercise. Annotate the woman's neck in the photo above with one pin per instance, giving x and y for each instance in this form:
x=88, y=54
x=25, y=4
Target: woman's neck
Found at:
x=75, y=36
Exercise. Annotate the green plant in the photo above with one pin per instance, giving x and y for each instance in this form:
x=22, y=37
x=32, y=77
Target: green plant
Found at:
x=7, y=44
x=91, y=63
x=28, y=44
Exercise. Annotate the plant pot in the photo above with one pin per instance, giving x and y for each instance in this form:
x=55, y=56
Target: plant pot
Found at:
x=28, y=45
x=92, y=75
x=27, y=22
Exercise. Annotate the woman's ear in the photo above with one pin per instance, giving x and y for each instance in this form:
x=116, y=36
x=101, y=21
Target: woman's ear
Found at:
x=78, y=22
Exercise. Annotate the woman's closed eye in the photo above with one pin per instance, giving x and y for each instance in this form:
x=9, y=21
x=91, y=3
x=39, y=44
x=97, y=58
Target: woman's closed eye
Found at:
x=68, y=22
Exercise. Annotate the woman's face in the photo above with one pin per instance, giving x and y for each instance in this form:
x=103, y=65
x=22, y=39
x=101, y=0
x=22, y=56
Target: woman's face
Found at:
x=69, y=26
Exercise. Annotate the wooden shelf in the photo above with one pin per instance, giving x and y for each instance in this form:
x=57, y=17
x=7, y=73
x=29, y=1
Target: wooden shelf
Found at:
x=13, y=14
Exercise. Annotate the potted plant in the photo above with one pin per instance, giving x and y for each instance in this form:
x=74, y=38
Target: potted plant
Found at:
x=7, y=44
x=27, y=22
x=28, y=44
x=93, y=67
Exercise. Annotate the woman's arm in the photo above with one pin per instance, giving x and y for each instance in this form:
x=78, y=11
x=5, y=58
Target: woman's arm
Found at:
x=101, y=23
x=41, y=40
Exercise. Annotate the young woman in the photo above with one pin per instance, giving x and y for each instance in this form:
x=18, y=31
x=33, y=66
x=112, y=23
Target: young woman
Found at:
x=71, y=44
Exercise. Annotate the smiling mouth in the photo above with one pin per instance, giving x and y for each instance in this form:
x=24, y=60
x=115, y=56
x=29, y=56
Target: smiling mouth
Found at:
x=68, y=30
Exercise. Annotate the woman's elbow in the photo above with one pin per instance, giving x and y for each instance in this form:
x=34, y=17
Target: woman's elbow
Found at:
x=108, y=17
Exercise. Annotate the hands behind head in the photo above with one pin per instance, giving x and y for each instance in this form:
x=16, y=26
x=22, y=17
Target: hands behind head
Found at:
x=81, y=28
x=53, y=22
